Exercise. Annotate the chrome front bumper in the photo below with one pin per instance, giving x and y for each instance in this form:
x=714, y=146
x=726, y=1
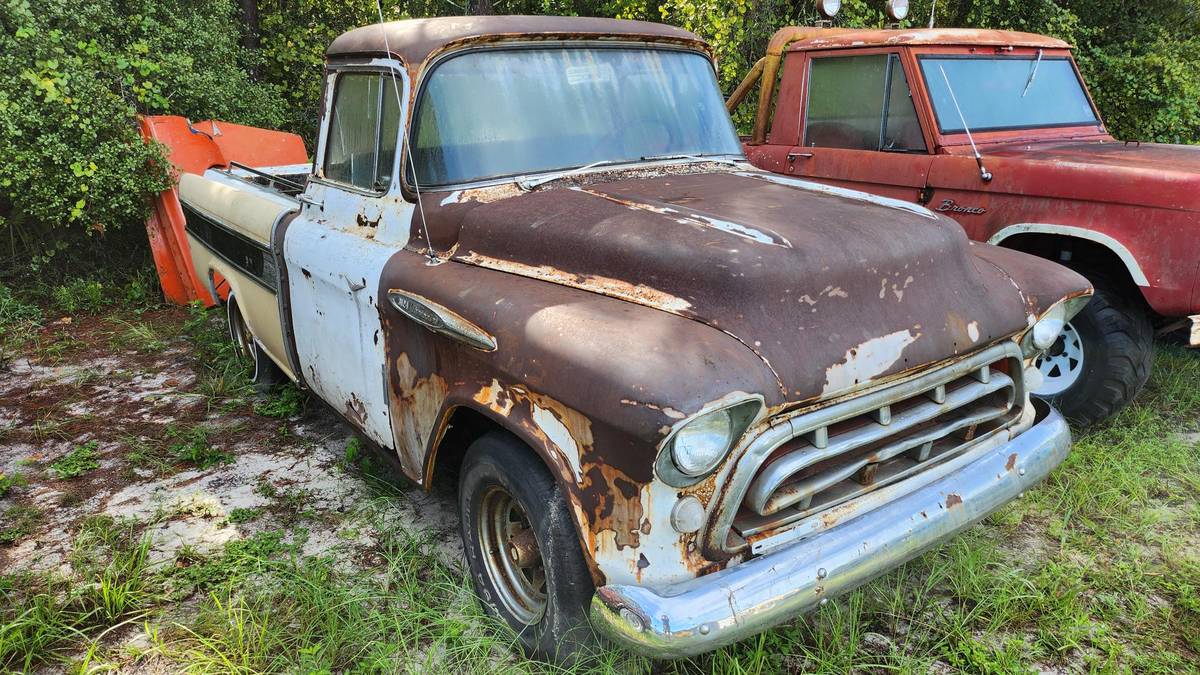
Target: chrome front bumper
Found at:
x=704, y=613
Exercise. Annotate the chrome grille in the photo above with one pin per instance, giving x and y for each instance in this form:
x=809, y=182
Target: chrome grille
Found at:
x=810, y=461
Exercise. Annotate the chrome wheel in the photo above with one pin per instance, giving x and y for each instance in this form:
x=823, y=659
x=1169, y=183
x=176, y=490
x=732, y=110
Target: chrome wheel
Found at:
x=1062, y=364
x=239, y=332
x=511, y=555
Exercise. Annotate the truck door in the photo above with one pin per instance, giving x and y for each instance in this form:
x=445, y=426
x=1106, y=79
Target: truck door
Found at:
x=353, y=220
x=859, y=127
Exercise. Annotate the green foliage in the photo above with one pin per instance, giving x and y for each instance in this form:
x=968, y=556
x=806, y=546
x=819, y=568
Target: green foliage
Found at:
x=77, y=462
x=8, y=481
x=192, y=445
x=18, y=522
x=76, y=76
x=283, y=402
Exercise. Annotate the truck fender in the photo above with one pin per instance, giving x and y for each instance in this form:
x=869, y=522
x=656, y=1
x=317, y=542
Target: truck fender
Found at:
x=1118, y=249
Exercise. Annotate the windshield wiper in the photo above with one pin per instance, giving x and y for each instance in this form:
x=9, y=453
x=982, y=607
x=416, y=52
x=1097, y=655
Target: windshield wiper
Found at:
x=719, y=158
x=1032, y=74
x=984, y=174
x=527, y=183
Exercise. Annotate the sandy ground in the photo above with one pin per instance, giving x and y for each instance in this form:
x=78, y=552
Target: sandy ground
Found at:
x=123, y=400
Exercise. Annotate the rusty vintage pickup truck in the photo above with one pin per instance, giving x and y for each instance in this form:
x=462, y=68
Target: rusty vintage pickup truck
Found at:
x=685, y=399
x=996, y=130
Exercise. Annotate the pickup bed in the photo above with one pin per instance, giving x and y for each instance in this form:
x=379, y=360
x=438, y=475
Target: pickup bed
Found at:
x=684, y=399
x=996, y=130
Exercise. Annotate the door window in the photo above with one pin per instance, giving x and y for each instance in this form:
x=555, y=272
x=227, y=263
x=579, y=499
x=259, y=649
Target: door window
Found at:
x=861, y=103
x=364, y=125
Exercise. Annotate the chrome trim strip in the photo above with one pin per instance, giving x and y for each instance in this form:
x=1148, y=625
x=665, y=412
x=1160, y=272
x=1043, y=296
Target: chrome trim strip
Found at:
x=704, y=613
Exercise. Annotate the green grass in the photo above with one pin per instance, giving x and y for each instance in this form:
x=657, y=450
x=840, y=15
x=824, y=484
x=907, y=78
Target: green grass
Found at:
x=10, y=481
x=18, y=522
x=283, y=402
x=79, y=461
x=192, y=445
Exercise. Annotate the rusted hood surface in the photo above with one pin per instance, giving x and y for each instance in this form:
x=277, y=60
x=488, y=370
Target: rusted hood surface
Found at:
x=1150, y=174
x=830, y=291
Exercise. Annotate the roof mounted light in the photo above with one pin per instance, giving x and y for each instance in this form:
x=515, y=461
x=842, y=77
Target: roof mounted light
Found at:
x=829, y=8
x=897, y=10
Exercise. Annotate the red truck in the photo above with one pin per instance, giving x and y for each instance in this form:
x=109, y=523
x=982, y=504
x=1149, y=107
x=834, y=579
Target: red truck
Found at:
x=997, y=130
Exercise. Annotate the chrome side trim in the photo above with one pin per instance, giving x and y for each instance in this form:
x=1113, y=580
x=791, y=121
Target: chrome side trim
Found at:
x=704, y=613
x=441, y=320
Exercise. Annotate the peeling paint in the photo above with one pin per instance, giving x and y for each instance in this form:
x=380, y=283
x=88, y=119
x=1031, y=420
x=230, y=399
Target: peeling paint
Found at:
x=866, y=361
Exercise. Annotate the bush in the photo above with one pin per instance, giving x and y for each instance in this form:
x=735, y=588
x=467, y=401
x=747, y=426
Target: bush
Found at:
x=76, y=76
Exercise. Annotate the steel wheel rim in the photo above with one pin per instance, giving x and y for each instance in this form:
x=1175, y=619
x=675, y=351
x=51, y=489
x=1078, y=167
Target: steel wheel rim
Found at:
x=521, y=590
x=243, y=343
x=1062, y=364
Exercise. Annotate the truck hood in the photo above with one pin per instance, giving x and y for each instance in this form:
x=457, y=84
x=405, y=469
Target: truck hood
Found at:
x=832, y=289
x=1145, y=174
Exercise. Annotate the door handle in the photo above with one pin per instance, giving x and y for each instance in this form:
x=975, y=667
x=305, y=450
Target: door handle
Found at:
x=305, y=199
x=354, y=286
x=792, y=156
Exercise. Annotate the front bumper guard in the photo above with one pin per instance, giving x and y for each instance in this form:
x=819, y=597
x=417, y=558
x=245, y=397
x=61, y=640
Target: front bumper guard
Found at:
x=704, y=613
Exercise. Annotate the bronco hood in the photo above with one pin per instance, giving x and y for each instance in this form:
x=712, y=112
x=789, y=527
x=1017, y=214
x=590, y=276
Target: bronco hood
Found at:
x=1141, y=174
x=832, y=289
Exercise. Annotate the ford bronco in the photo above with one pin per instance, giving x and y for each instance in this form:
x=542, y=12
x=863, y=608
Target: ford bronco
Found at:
x=997, y=130
x=685, y=399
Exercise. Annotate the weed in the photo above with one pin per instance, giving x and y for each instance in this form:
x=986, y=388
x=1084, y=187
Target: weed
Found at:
x=18, y=523
x=142, y=337
x=243, y=515
x=10, y=481
x=192, y=445
x=16, y=315
x=352, y=452
x=77, y=462
x=80, y=295
x=283, y=402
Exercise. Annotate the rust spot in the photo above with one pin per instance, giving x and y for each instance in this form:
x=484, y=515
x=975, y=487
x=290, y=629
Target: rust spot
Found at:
x=1012, y=462
x=306, y=273
x=646, y=526
x=356, y=411
x=953, y=500
x=415, y=404
x=488, y=195
x=642, y=563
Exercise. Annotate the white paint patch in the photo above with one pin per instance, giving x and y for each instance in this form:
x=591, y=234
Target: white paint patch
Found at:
x=973, y=331
x=451, y=198
x=746, y=232
x=866, y=361
x=560, y=436
x=842, y=192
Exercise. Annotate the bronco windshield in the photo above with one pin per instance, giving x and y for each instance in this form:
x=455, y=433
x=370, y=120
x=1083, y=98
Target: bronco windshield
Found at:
x=1006, y=92
x=501, y=113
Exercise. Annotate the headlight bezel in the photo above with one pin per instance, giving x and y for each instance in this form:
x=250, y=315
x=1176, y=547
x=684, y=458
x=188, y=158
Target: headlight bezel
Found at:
x=742, y=412
x=1060, y=312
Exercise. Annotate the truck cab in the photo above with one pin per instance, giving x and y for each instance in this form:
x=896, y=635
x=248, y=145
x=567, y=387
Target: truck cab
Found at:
x=996, y=130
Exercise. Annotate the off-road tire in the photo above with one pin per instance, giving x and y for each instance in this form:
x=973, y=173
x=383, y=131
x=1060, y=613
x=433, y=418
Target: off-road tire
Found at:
x=265, y=373
x=1118, y=347
x=562, y=633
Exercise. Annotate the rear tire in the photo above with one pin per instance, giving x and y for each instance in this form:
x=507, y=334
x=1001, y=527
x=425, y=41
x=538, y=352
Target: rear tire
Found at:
x=523, y=550
x=1102, y=360
x=265, y=373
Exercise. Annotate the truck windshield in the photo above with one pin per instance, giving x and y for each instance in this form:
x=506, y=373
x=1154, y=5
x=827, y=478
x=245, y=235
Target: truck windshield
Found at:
x=998, y=93
x=491, y=113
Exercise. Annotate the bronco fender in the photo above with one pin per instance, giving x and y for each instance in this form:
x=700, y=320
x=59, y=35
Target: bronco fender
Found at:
x=591, y=383
x=1118, y=249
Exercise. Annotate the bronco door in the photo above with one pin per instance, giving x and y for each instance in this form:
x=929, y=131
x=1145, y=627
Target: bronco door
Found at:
x=858, y=125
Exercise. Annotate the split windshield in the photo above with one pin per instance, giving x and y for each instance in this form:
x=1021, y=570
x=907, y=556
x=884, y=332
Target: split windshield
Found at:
x=500, y=113
x=998, y=93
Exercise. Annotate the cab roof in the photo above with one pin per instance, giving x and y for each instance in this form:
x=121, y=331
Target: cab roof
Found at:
x=841, y=38
x=415, y=40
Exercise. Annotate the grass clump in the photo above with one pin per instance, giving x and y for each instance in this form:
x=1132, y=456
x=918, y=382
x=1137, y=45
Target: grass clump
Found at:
x=192, y=445
x=19, y=522
x=11, y=481
x=283, y=402
x=243, y=515
x=45, y=617
x=79, y=461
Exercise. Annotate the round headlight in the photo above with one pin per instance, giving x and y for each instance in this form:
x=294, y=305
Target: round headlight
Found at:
x=701, y=444
x=829, y=8
x=1049, y=327
x=897, y=9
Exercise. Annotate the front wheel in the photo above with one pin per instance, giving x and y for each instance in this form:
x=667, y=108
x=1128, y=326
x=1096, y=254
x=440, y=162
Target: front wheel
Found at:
x=1101, y=360
x=522, y=548
x=247, y=350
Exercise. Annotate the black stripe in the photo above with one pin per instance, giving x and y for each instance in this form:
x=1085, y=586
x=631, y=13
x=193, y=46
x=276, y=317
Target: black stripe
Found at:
x=247, y=255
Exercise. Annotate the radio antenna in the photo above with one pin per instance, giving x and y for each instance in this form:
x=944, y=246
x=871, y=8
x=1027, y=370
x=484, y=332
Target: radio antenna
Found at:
x=408, y=149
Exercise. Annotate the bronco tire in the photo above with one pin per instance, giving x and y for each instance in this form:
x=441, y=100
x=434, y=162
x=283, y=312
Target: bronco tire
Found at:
x=522, y=548
x=1102, y=359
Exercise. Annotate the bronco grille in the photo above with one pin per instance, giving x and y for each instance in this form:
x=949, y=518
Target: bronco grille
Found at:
x=813, y=460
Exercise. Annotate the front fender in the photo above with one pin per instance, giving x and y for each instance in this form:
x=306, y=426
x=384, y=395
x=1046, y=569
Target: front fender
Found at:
x=591, y=383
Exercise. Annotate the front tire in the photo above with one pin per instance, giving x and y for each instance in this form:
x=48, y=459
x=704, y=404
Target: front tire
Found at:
x=523, y=550
x=1102, y=359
